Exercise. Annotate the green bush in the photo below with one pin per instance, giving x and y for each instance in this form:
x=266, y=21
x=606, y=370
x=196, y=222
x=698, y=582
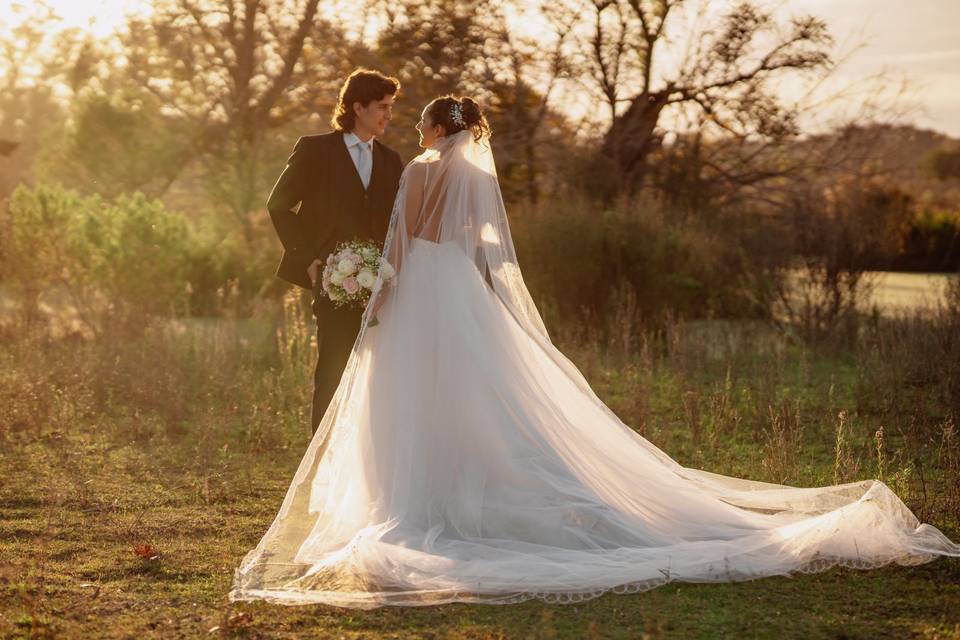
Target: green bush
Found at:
x=117, y=144
x=930, y=242
x=580, y=259
x=111, y=261
x=943, y=163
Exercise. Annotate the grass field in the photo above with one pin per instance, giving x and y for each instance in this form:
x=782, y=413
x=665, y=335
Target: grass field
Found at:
x=138, y=471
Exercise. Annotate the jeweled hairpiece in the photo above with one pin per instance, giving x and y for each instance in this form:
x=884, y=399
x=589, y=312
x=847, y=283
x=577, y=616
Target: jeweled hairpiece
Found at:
x=456, y=114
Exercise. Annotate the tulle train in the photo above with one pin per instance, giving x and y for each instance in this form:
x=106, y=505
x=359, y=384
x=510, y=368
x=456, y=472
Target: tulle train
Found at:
x=471, y=462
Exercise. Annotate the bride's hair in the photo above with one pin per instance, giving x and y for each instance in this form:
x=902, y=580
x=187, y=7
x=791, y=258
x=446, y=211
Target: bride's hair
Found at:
x=442, y=112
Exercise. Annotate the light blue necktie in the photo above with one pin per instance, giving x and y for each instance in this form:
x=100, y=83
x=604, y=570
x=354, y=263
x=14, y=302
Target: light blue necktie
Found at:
x=363, y=163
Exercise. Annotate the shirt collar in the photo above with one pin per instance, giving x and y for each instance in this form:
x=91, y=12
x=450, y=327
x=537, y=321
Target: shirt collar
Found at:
x=351, y=139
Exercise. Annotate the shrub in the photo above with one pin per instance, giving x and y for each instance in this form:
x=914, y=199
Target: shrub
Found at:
x=579, y=259
x=112, y=262
x=930, y=241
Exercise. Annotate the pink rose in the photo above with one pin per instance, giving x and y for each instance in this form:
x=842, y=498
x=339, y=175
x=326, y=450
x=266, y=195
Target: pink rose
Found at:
x=354, y=257
x=350, y=285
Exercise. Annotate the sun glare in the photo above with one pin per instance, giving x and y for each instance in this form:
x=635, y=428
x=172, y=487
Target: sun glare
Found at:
x=101, y=17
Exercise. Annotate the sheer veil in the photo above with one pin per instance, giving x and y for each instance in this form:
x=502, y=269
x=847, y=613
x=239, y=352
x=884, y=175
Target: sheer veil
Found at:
x=463, y=458
x=450, y=193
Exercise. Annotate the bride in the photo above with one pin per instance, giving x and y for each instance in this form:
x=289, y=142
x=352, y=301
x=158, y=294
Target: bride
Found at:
x=463, y=458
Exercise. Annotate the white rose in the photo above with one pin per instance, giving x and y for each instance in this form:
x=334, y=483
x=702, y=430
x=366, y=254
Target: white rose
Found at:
x=386, y=270
x=347, y=267
x=366, y=278
x=337, y=278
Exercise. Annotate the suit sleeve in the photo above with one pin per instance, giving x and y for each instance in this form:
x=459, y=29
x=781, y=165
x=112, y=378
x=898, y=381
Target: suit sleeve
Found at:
x=285, y=198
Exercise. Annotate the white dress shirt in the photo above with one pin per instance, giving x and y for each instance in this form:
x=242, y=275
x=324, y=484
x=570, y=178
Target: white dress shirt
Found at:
x=362, y=154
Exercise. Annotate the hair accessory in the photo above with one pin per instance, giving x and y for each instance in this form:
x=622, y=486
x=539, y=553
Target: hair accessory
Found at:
x=456, y=114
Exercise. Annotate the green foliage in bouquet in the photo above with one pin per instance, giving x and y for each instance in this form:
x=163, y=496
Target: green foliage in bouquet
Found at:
x=351, y=272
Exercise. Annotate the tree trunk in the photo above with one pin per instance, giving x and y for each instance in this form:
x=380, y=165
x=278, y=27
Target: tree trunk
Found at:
x=533, y=191
x=628, y=143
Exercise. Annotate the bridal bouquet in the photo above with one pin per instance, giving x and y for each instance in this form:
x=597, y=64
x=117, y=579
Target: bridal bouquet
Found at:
x=351, y=271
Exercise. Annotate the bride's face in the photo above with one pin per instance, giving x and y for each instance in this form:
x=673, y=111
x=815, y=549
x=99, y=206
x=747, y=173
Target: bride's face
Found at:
x=429, y=132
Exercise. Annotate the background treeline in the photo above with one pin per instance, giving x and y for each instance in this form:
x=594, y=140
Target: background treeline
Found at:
x=135, y=167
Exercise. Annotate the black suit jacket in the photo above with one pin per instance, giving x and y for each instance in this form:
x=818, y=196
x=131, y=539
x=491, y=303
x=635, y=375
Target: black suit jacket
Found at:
x=319, y=200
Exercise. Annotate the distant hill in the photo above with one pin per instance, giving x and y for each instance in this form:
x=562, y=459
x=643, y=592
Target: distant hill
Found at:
x=901, y=147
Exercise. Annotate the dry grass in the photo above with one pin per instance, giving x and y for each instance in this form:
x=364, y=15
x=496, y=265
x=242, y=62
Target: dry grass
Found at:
x=138, y=471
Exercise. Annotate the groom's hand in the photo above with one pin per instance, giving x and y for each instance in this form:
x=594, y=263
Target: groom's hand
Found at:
x=314, y=270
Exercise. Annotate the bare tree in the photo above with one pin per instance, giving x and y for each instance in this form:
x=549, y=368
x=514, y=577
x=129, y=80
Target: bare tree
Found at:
x=435, y=45
x=727, y=73
x=468, y=47
x=528, y=73
x=28, y=102
x=236, y=69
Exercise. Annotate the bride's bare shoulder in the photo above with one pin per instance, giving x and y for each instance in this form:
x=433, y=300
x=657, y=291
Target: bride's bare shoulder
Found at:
x=416, y=169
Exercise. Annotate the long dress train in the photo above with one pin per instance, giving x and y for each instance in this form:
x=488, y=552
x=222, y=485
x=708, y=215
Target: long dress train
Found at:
x=465, y=459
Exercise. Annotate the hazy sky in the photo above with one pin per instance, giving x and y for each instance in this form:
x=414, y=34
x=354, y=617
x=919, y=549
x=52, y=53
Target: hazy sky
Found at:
x=918, y=41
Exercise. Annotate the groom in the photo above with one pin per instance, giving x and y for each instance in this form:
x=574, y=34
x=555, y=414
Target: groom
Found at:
x=336, y=186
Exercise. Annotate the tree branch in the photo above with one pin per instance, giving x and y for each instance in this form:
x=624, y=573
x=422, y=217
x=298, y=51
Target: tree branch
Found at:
x=293, y=52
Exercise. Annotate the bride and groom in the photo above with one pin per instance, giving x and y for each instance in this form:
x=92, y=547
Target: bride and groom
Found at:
x=463, y=458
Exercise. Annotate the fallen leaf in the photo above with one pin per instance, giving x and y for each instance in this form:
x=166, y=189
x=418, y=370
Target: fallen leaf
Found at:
x=145, y=550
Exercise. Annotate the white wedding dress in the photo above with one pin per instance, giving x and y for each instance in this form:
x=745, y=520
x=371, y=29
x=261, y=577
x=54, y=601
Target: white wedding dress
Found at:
x=465, y=459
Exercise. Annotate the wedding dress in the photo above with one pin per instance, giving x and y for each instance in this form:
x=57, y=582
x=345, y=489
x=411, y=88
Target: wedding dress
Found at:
x=465, y=459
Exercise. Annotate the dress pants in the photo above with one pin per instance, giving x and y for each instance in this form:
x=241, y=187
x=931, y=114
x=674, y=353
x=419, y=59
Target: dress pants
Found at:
x=337, y=329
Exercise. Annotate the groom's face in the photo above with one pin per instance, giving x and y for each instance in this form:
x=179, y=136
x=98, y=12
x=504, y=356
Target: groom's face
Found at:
x=372, y=119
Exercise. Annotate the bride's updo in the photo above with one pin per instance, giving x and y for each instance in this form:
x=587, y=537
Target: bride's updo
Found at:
x=457, y=114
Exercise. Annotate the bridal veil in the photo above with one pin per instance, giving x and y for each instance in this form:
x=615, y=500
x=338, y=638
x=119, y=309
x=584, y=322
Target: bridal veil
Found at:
x=464, y=458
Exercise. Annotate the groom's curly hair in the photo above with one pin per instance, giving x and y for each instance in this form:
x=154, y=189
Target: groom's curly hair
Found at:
x=363, y=86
